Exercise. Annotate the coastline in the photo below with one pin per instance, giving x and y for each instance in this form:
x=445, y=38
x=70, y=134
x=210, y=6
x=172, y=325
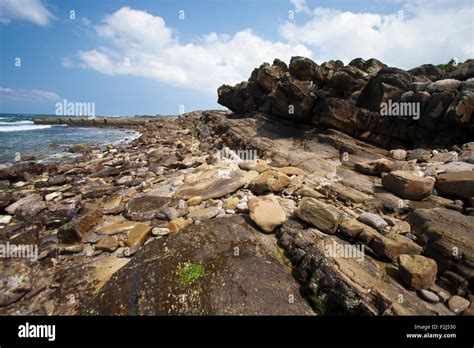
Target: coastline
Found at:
x=100, y=218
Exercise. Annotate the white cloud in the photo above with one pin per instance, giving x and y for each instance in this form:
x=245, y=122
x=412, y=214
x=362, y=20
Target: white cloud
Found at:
x=29, y=10
x=33, y=95
x=301, y=6
x=153, y=51
x=424, y=31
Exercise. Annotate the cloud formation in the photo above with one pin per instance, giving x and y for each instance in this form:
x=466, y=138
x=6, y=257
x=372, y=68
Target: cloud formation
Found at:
x=423, y=31
x=33, y=95
x=30, y=10
x=141, y=44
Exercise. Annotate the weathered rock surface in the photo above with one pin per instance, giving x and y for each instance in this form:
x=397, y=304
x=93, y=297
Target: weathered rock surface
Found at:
x=197, y=272
x=323, y=216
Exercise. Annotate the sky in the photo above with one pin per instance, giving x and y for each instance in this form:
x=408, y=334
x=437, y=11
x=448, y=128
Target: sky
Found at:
x=169, y=56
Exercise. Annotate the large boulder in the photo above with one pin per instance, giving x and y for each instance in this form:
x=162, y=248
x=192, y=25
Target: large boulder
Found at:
x=459, y=184
x=407, y=185
x=223, y=267
x=417, y=271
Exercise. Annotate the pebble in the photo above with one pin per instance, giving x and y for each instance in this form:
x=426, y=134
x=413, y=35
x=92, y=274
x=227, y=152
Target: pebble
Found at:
x=428, y=296
x=458, y=304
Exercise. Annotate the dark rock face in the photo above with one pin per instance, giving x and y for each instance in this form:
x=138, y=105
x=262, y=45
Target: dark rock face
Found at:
x=348, y=98
x=222, y=267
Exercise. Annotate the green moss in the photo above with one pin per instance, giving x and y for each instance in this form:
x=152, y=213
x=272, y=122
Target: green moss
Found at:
x=191, y=272
x=317, y=304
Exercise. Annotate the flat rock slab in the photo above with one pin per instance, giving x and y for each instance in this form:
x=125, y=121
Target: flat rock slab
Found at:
x=148, y=207
x=213, y=187
x=222, y=267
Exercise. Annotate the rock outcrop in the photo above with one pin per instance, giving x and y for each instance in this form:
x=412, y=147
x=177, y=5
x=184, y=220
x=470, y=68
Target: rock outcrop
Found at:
x=349, y=98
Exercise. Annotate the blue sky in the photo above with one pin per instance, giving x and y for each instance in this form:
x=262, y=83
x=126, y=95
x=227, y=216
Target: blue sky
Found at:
x=140, y=57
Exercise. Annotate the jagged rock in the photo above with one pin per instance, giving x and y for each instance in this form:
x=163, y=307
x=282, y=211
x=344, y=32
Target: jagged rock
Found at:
x=358, y=285
x=417, y=271
x=266, y=212
x=202, y=274
x=303, y=68
x=407, y=185
x=74, y=230
x=270, y=180
x=459, y=184
x=27, y=207
x=443, y=233
x=323, y=216
x=291, y=100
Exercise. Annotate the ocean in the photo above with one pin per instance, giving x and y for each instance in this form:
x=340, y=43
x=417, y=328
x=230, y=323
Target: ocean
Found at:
x=19, y=135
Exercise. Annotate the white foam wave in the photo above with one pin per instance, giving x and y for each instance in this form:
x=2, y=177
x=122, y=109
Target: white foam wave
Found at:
x=15, y=123
x=23, y=128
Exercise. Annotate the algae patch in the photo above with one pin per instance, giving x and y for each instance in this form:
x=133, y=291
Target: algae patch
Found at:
x=191, y=272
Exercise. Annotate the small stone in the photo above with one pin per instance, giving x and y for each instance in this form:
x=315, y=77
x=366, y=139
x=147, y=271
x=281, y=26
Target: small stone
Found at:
x=160, y=231
x=178, y=224
x=231, y=203
x=107, y=243
x=428, y=296
x=204, y=214
x=71, y=249
x=5, y=219
x=398, y=154
x=458, y=304
x=51, y=196
x=196, y=200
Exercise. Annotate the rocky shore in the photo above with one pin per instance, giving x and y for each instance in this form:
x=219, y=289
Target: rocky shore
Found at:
x=303, y=200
